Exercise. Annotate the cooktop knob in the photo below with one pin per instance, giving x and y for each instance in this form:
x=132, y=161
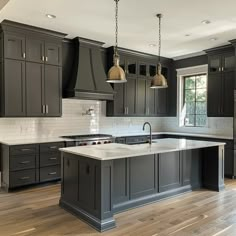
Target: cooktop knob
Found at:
x=93, y=143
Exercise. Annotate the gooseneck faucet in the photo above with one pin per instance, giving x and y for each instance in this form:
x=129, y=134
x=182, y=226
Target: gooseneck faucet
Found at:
x=147, y=123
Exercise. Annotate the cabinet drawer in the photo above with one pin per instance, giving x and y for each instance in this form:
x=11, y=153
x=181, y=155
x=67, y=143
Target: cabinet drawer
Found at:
x=24, y=149
x=23, y=177
x=50, y=173
x=51, y=147
x=23, y=162
x=47, y=159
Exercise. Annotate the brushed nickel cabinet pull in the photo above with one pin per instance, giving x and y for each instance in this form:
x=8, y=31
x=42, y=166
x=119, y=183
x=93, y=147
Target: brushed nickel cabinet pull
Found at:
x=53, y=147
x=52, y=158
x=43, y=109
x=52, y=173
x=24, y=162
x=24, y=178
x=46, y=58
x=25, y=149
x=23, y=55
x=43, y=58
x=46, y=109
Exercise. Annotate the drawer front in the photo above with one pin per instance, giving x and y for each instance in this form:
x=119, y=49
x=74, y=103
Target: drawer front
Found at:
x=24, y=149
x=120, y=140
x=23, y=177
x=47, y=159
x=50, y=173
x=70, y=144
x=51, y=147
x=22, y=162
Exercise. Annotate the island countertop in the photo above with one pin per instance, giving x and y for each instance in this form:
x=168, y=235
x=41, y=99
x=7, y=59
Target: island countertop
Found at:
x=116, y=151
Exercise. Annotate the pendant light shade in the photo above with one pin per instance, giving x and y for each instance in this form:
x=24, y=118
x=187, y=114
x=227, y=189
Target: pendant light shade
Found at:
x=116, y=74
x=159, y=80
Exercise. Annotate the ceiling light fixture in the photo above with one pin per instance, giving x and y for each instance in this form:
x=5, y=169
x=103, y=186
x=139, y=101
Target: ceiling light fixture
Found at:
x=206, y=22
x=116, y=74
x=187, y=35
x=50, y=16
x=159, y=81
x=152, y=45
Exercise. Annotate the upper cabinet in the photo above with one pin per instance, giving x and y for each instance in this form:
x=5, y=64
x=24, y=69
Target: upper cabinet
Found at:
x=221, y=74
x=136, y=98
x=31, y=60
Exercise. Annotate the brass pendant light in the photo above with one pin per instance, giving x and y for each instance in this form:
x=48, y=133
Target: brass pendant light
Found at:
x=116, y=74
x=159, y=81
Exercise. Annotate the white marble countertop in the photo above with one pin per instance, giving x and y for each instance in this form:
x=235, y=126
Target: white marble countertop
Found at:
x=117, y=135
x=22, y=141
x=116, y=151
x=33, y=140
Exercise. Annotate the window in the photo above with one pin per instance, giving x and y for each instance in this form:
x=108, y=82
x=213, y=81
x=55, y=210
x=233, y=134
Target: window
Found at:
x=195, y=104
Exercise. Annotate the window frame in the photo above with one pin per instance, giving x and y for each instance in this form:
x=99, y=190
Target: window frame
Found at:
x=195, y=99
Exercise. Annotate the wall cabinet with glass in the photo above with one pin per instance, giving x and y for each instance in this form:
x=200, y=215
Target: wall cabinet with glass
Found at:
x=221, y=74
x=136, y=98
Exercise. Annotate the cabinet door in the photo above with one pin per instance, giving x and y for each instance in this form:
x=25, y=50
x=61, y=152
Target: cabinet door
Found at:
x=53, y=53
x=119, y=99
x=143, y=179
x=228, y=94
x=14, y=88
x=170, y=169
x=52, y=90
x=34, y=89
x=214, y=95
x=14, y=46
x=228, y=62
x=141, y=97
x=35, y=50
x=150, y=99
x=214, y=63
x=131, y=66
x=130, y=98
x=161, y=101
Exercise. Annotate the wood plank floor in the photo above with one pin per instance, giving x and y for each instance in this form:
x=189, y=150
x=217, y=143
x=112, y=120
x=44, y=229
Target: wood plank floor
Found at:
x=36, y=212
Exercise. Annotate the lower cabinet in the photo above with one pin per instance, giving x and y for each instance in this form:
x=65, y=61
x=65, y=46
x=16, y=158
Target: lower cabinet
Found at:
x=30, y=164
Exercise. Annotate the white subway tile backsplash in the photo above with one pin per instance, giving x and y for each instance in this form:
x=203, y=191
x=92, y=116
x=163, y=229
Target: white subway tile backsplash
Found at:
x=73, y=122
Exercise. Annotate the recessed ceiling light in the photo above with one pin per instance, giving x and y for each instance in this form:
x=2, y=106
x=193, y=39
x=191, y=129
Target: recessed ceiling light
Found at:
x=187, y=35
x=206, y=22
x=213, y=39
x=50, y=16
x=152, y=45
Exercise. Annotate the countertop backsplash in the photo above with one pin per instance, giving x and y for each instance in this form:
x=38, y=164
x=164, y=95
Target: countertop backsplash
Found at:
x=87, y=116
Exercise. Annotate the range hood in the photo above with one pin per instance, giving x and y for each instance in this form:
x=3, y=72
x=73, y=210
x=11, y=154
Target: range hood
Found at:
x=88, y=77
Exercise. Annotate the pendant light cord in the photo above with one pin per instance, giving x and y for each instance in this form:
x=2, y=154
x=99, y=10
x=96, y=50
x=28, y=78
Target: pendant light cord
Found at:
x=116, y=30
x=159, y=51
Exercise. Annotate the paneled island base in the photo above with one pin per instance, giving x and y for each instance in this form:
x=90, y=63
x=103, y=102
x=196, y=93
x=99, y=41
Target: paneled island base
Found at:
x=95, y=190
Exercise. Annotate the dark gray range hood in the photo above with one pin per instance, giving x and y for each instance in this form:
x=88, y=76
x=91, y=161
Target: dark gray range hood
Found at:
x=88, y=77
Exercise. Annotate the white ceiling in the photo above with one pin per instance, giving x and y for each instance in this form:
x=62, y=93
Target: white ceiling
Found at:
x=137, y=21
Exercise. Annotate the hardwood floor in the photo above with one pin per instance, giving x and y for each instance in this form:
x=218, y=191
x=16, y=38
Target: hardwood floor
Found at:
x=36, y=212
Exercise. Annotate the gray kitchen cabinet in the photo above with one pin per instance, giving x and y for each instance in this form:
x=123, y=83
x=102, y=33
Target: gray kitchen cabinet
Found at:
x=13, y=89
x=31, y=75
x=34, y=89
x=141, y=101
x=52, y=90
x=130, y=96
x=30, y=164
x=14, y=46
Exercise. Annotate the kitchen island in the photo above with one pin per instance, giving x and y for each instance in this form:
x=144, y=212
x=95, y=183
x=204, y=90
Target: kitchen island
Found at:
x=100, y=181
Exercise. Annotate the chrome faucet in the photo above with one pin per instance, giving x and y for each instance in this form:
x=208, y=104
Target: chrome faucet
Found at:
x=147, y=123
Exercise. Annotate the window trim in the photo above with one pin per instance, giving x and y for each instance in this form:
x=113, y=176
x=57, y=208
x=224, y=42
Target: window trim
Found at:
x=195, y=100
x=182, y=72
